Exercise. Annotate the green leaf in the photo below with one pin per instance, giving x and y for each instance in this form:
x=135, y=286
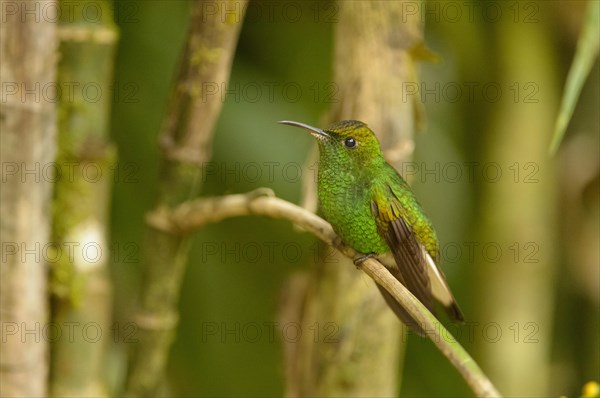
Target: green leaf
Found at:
x=585, y=55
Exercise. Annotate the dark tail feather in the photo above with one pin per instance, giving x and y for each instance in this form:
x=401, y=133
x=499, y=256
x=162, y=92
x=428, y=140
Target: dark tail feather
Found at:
x=401, y=312
x=455, y=313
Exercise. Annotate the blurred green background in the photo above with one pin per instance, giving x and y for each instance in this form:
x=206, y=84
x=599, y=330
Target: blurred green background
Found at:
x=233, y=277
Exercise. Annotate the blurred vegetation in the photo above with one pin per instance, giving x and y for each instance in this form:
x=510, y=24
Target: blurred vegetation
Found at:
x=233, y=279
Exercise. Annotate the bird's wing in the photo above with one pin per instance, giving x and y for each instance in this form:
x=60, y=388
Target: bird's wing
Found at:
x=415, y=267
x=411, y=267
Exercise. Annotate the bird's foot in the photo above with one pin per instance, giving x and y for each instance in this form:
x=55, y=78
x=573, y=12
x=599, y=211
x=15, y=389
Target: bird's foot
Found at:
x=337, y=242
x=358, y=260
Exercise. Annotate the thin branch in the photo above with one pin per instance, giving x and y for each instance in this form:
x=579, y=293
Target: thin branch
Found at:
x=197, y=213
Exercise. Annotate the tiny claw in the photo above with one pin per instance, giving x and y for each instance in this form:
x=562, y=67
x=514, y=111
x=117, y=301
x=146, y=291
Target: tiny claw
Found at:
x=337, y=242
x=360, y=259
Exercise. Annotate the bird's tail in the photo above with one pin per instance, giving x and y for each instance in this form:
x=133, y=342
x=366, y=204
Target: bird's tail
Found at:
x=401, y=312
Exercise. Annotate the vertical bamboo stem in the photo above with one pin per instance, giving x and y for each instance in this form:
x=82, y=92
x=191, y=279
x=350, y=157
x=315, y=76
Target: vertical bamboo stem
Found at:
x=519, y=214
x=27, y=130
x=373, y=60
x=80, y=283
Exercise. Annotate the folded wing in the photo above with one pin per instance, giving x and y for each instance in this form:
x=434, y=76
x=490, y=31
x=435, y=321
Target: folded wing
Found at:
x=414, y=266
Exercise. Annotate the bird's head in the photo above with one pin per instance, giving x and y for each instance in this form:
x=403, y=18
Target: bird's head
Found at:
x=348, y=143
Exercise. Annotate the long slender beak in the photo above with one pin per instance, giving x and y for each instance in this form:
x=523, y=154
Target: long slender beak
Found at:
x=318, y=133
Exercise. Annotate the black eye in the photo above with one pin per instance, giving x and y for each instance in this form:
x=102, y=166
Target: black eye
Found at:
x=350, y=142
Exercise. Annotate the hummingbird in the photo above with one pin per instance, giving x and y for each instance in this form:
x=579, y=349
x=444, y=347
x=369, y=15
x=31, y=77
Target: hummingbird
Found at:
x=373, y=210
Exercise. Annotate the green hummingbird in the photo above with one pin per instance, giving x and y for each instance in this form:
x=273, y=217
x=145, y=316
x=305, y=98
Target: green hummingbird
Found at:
x=373, y=210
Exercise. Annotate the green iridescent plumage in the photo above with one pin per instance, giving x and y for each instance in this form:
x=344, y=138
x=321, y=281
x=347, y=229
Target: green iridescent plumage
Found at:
x=373, y=210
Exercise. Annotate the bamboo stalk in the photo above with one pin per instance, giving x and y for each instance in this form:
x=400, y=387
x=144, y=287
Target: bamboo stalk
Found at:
x=518, y=211
x=28, y=143
x=186, y=143
x=80, y=283
x=374, y=42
